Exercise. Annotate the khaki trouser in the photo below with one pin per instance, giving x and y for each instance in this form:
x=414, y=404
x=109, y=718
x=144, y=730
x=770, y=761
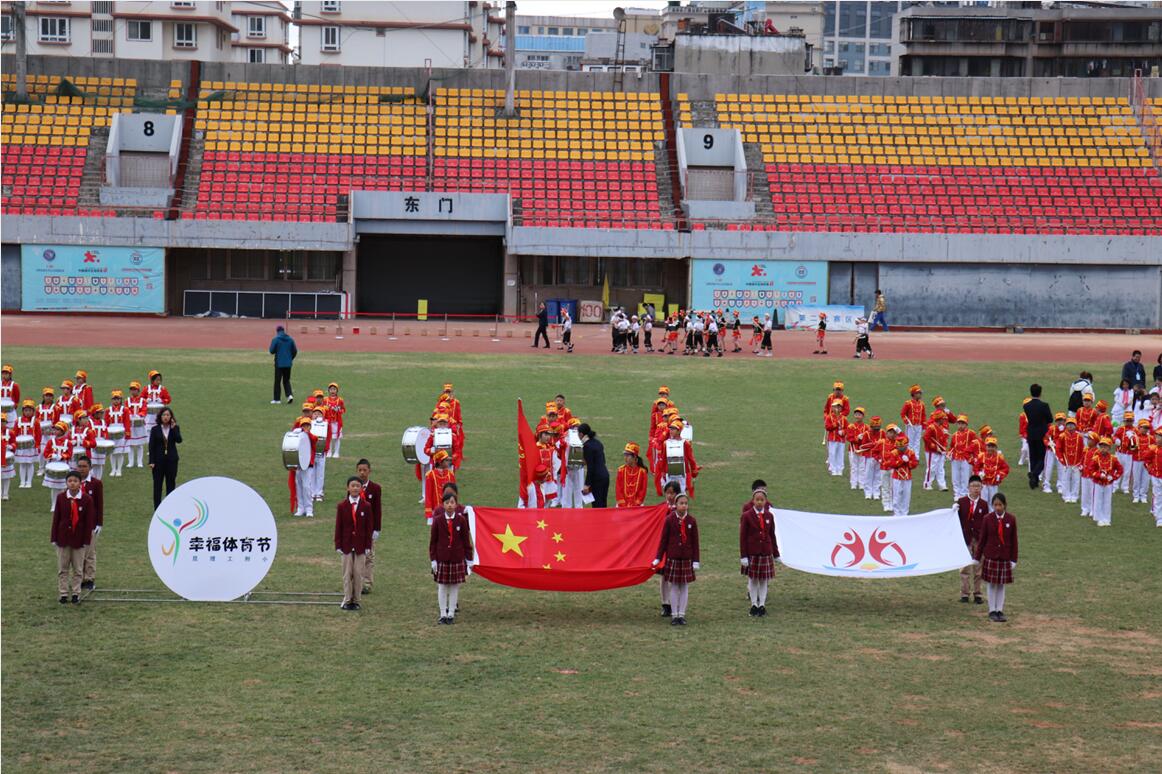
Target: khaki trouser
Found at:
x=972, y=572
x=90, y=559
x=369, y=569
x=68, y=557
x=353, y=565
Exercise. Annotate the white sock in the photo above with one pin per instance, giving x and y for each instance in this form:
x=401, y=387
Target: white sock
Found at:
x=442, y=598
x=752, y=590
x=453, y=598
x=681, y=594
x=98, y=470
x=1000, y=594
x=762, y=592
x=335, y=446
x=666, y=589
x=4, y=487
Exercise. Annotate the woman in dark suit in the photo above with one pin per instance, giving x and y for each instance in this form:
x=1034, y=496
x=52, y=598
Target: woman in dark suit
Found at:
x=163, y=453
x=596, y=474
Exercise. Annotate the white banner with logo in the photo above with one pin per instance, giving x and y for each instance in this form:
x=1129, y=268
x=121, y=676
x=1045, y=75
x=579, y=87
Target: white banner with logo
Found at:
x=871, y=546
x=212, y=539
x=839, y=318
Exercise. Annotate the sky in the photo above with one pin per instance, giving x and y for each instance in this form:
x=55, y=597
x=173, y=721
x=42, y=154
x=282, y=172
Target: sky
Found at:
x=593, y=8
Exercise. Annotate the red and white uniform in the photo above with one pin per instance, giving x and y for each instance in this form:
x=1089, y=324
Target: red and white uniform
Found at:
x=157, y=393
x=855, y=435
x=992, y=467
x=1070, y=455
x=11, y=390
x=83, y=392
x=902, y=461
x=27, y=426
x=913, y=413
x=1105, y=471
x=58, y=449
x=662, y=477
x=835, y=427
x=139, y=435
x=67, y=404
x=935, y=440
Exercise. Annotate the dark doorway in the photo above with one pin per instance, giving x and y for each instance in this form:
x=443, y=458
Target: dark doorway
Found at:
x=457, y=275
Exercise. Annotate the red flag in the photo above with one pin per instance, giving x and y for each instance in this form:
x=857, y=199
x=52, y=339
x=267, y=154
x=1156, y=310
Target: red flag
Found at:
x=528, y=456
x=567, y=549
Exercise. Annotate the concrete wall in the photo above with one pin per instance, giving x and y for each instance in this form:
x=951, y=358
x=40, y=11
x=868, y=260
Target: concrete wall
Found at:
x=1032, y=296
x=739, y=55
x=9, y=276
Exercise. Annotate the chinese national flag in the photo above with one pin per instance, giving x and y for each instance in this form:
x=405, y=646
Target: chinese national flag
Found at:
x=567, y=549
x=527, y=453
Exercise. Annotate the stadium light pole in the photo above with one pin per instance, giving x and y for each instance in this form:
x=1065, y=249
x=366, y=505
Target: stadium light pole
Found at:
x=21, y=51
x=510, y=59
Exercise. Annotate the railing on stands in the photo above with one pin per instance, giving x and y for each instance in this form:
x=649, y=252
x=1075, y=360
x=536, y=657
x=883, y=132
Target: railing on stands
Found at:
x=442, y=320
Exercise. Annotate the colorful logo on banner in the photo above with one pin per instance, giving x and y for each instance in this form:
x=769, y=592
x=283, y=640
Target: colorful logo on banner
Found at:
x=212, y=539
x=758, y=287
x=63, y=278
x=879, y=553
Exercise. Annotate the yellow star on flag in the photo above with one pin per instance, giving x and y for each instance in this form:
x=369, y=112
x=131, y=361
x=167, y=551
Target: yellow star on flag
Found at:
x=557, y=538
x=541, y=524
x=509, y=541
x=548, y=566
x=560, y=557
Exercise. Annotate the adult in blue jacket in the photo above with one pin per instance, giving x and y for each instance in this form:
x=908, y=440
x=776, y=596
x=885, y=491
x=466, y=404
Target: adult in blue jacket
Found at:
x=282, y=346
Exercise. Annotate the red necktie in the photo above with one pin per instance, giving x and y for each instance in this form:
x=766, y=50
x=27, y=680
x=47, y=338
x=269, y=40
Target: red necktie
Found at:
x=76, y=515
x=449, y=523
x=1001, y=529
x=354, y=515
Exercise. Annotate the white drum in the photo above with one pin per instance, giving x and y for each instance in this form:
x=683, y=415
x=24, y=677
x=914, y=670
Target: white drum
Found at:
x=104, y=446
x=442, y=439
x=67, y=419
x=575, y=457
x=676, y=457
x=319, y=431
x=116, y=433
x=79, y=451
x=46, y=429
x=137, y=421
x=152, y=409
x=7, y=406
x=687, y=433
x=296, y=451
x=55, y=474
x=25, y=443
x=414, y=440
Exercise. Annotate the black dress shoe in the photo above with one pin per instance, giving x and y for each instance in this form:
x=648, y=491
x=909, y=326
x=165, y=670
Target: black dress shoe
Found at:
x=762, y=611
x=76, y=600
x=676, y=622
x=681, y=621
x=992, y=615
x=667, y=611
x=976, y=598
x=355, y=606
x=1001, y=617
x=451, y=620
x=64, y=600
x=964, y=599
x=88, y=585
x=754, y=611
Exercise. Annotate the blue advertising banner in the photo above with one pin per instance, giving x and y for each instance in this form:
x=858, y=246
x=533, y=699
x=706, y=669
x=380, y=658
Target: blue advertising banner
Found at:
x=757, y=287
x=69, y=278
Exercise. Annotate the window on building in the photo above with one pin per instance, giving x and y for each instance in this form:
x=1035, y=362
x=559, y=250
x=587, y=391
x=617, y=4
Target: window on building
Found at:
x=566, y=30
x=548, y=275
x=554, y=30
x=102, y=7
x=102, y=25
x=256, y=27
x=6, y=28
x=248, y=265
x=330, y=38
x=141, y=31
x=875, y=67
x=852, y=20
x=880, y=25
x=185, y=35
x=102, y=45
x=323, y=267
x=522, y=30
x=257, y=56
x=540, y=30
x=879, y=49
x=291, y=264
x=573, y=271
x=330, y=6
x=54, y=29
x=829, y=19
x=851, y=57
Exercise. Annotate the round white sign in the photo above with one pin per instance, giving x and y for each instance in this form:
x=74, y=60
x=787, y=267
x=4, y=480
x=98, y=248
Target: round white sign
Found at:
x=212, y=539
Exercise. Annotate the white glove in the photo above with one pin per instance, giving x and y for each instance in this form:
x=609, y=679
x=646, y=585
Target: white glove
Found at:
x=654, y=563
x=433, y=565
x=745, y=561
x=54, y=545
x=697, y=566
x=339, y=551
x=469, y=569
x=97, y=530
x=1013, y=565
x=375, y=535
x=367, y=552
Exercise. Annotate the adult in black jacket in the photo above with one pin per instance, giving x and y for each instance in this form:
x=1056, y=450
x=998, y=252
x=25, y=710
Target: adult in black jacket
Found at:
x=1040, y=417
x=163, y=453
x=542, y=326
x=596, y=474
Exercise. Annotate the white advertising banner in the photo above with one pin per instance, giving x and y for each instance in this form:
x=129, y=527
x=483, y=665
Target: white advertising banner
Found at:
x=839, y=317
x=212, y=539
x=871, y=546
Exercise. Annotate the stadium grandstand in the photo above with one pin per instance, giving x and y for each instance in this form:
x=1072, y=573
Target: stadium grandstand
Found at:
x=324, y=183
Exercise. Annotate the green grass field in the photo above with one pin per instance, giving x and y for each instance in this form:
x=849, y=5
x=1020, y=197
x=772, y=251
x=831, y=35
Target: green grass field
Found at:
x=888, y=675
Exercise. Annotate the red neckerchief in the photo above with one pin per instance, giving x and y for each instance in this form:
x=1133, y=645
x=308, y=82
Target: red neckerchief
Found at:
x=1000, y=528
x=354, y=514
x=363, y=490
x=450, y=523
x=682, y=529
x=76, y=515
x=762, y=524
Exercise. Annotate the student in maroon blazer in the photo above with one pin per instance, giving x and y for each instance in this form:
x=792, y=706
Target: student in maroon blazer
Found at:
x=95, y=489
x=373, y=494
x=450, y=548
x=73, y=520
x=996, y=550
x=757, y=548
x=971, y=509
x=679, y=546
x=353, y=537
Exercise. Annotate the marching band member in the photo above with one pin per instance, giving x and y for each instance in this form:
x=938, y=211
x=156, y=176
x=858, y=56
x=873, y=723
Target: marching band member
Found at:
x=972, y=508
x=92, y=486
x=73, y=522
x=1153, y=468
x=83, y=390
x=1070, y=454
x=870, y=461
x=563, y=413
x=1104, y=470
x=996, y=550
x=1139, y=480
x=835, y=424
x=48, y=411
x=913, y=414
x=353, y=530
x=7, y=457
x=935, y=439
x=1103, y=424
x=450, y=549
x=837, y=394
x=690, y=466
x=100, y=427
x=321, y=431
x=736, y=332
x=656, y=410
x=336, y=408
x=81, y=435
x=992, y=468
x=856, y=434
x=571, y=496
x=156, y=391
x=118, y=414
x=904, y=461
x=303, y=481
x=67, y=403
x=57, y=449
x=372, y=494
x=886, y=457
x=9, y=389
x=440, y=474
x=757, y=549
x=1056, y=430
x=27, y=425
x=1126, y=442
x=546, y=486
x=1023, y=433
x=1086, y=414
x=632, y=479
x=679, y=547
x=1091, y=439
x=455, y=415
x=139, y=435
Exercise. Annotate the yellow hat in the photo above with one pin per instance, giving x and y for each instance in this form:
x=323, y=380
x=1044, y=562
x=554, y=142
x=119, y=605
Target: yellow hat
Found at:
x=82, y=375
x=61, y=426
x=318, y=394
x=663, y=390
x=892, y=429
x=67, y=383
x=441, y=416
x=915, y=388
x=1143, y=423
x=1101, y=405
x=48, y=391
x=333, y=384
x=875, y=421
x=991, y=440
x=1087, y=396
x=135, y=385
x=676, y=425
x=986, y=431
x=439, y=456
x=837, y=386
x=938, y=401
x=96, y=408
x=308, y=406
x=574, y=422
x=962, y=418
x=860, y=409
x=303, y=422
x=80, y=414
x=28, y=404
x=152, y=374
x=661, y=400
x=550, y=408
x=1059, y=416
x=633, y=448
x=1071, y=420
x=901, y=440
x=1092, y=435
x=447, y=386
x=1105, y=440
x=319, y=409
x=1127, y=415
x=116, y=394
x=1026, y=400
x=6, y=369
